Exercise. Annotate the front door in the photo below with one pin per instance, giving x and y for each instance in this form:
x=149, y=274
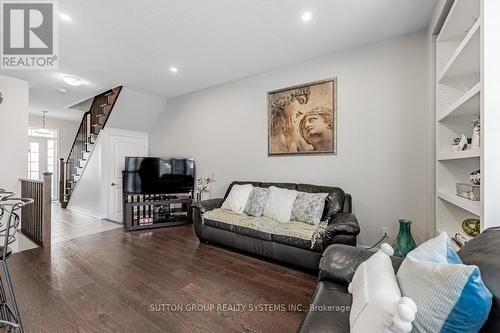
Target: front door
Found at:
x=37, y=160
x=119, y=148
x=42, y=158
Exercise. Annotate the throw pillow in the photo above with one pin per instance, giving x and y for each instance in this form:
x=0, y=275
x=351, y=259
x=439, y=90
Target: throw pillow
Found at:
x=450, y=296
x=308, y=207
x=377, y=305
x=279, y=204
x=237, y=198
x=257, y=201
x=438, y=249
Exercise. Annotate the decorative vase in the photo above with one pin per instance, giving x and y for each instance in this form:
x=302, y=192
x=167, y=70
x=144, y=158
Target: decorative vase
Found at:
x=476, y=137
x=404, y=241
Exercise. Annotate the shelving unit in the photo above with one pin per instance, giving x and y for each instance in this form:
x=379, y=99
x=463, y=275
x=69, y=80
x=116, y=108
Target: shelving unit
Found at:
x=466, y=105
x=472, y=207
x=155, y=211
x=466, y=58
x=458, y=100
x=469, y=153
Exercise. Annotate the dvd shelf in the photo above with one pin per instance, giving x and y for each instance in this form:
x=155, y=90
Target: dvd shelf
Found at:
x=153, y=211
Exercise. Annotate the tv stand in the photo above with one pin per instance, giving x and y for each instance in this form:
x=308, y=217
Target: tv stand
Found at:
x=147, y=211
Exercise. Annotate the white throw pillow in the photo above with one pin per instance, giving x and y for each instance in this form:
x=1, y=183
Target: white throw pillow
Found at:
x=377, y=305
x=237, y=198
x=279, y=204
x=451, y=297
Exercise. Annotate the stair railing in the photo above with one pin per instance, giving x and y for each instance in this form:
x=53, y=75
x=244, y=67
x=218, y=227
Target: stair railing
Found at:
x=36, y=218
x=93, y=121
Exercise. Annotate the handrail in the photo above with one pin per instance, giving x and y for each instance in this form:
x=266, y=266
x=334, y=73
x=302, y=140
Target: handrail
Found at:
x=76, y=136
x=112, y=106
x=93, y=121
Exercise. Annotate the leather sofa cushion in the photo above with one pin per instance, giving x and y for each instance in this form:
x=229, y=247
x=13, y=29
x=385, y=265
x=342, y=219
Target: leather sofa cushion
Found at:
x=334, y=319
x=297, y=234
x=334, y=202
x=299, y=242
x=239, y=229
x=484, y=252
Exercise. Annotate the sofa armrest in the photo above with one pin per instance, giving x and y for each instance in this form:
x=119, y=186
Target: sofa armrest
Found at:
x=339, y=262
x=342, y=228
x=206, y=205
x=200, y=208
x=343, y=223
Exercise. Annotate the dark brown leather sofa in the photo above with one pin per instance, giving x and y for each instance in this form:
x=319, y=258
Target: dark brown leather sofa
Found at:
x=342, y=228
x=339, y=262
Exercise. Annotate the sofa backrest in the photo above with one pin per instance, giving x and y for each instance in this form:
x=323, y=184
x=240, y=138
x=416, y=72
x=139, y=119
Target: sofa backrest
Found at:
x=484, y=252
x=337, y=200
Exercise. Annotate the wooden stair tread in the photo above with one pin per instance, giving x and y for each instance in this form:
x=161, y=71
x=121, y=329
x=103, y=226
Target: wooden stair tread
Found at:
x=92, y=123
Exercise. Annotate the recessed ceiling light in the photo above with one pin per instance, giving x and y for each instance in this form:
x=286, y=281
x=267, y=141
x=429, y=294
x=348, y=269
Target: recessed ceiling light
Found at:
x=63, y=90
x=72, y=80
x=306, y=16
x=65, y=17
x=174, y=69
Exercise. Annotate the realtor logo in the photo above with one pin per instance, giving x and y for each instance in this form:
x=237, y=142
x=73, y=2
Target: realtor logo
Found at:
x=29, y=35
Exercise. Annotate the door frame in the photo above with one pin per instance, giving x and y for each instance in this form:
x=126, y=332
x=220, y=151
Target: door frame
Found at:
x=44, y=166
x=106, y=188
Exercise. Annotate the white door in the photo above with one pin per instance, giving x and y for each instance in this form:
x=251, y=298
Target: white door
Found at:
x=118, y=147
x=37, y=157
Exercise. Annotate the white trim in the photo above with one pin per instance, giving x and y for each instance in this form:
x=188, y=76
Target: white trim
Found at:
x=85, y=212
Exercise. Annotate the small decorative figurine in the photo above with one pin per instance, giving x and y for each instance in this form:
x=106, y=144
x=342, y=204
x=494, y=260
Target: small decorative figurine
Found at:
x=475, y=177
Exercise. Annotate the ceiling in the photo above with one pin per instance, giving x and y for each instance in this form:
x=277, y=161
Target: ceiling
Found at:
x=134, y=43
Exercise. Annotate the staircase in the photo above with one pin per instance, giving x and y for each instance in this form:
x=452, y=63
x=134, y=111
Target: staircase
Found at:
x=93, y=122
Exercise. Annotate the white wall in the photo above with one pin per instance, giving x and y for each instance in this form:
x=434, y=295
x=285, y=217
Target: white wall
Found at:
x=87, y=197
x=93, y=194
x=135, y=111
x=66, y=130
x=13, y=132
x=383, y=125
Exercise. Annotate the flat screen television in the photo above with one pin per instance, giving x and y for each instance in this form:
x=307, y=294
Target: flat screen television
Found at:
x=153, y=175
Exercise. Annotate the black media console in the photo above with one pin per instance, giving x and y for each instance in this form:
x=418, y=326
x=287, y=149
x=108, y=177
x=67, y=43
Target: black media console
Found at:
x=156, y=210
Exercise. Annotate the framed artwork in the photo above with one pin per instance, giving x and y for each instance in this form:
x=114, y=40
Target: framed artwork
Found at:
x=303, y=119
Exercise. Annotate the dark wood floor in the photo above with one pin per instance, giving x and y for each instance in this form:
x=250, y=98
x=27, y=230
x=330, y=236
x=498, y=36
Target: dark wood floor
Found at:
x=108, y=282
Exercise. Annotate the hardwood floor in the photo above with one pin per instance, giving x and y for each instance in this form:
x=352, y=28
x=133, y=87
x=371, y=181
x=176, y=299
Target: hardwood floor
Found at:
x=124, y=282
x=68, y=224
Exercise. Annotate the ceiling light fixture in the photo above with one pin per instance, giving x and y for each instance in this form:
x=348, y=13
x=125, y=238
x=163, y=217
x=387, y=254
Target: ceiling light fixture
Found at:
x=174, y=69
x=306, y=16
x=63, y=90
x=72, y=80
x=65, y=17
x=43, y=130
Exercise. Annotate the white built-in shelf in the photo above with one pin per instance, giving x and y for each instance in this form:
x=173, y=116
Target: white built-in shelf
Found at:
x=466, y=58
x=459, y=18
x=466, y=105
x=455, y=155
x=473, y=207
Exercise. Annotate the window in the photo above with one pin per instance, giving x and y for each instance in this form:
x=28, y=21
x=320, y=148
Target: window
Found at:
x=42, y=155
x=41, y=133
x=34, y=160
x=51, y=160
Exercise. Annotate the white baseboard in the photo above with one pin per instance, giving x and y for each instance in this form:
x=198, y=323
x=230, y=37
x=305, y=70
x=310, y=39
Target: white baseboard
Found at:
x=86, y=212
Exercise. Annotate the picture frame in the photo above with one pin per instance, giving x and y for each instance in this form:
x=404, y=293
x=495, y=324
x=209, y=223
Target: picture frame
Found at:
x=302, y=119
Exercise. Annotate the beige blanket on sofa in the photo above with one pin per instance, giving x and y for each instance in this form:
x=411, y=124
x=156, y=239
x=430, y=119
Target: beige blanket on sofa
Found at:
x=293, y=228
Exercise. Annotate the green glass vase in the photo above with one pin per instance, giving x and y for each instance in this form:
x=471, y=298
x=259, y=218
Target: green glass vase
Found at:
x=404, y=241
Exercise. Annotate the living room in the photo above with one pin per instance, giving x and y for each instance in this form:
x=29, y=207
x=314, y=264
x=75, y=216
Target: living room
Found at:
x=259, y=166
